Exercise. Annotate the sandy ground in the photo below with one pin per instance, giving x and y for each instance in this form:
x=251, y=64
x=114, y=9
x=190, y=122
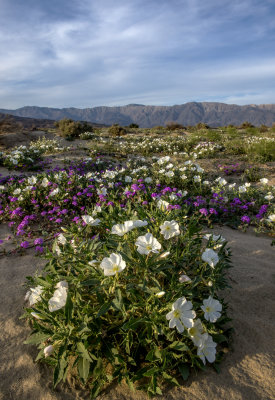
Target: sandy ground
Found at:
x=247, y=373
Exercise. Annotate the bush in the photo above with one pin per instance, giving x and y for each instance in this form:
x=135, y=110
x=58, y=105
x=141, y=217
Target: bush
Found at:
x=117, y=130
x=72, y=129
x=173, y=126
x=134, y=126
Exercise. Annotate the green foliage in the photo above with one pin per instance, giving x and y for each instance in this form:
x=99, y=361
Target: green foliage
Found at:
x=252, y=174
x=134, y=126
x=117, y=130
x=173, y=126
x=72, y=129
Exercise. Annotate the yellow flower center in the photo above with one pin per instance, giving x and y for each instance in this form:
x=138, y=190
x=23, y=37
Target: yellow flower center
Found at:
x=208, y=309
x=115, y=268
x=192, y=331
x=148, y=247
x=176, y=314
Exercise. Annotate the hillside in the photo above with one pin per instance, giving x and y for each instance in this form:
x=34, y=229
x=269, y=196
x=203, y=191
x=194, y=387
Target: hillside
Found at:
x=213, y=114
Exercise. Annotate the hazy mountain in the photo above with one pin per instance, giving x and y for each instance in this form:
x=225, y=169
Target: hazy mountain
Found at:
x=213, y=114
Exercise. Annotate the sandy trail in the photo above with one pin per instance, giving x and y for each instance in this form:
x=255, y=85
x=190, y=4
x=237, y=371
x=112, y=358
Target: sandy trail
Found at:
x=247, y=373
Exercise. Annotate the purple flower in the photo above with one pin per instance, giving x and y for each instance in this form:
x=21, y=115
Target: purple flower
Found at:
x=245, y=219
x=213, y=211
x=38, y=241
x=25, y=245
x=39, y=249
x=203, y=211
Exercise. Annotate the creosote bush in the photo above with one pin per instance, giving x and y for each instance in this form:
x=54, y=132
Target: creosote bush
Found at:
x=72, y=129
x=117, y=130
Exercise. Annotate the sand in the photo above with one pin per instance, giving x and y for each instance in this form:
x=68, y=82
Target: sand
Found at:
x=247, y=372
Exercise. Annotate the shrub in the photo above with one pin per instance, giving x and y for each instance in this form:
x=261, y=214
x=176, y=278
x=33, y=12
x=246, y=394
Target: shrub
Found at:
x=134, y=126
x=173, y=126
x=117, y=130
x=72, y=129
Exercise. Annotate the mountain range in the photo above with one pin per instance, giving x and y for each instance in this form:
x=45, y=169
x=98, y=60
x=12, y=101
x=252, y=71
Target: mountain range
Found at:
x=212, y=113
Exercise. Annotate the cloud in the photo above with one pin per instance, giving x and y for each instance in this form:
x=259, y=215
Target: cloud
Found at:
x=83, y=53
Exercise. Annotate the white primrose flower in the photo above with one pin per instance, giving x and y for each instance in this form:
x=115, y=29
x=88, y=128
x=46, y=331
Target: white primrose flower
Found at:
x=63, y=284
x=183, y=177
x=90, y=220
x=17, y=191
x=242, y=189
x=211, y=257
x=61, y=239
x=44, y=182
x=102, y=191
x=128, y=179
x=34, y=295
x=196, y=178
x=170, y=229
x=139, y=223
x=169, y=174
x=264, y=181
x=196, y=333
x=48, y=350
x=147, y=244
x=162, y=204
x=160, y=294
x=148, y=179
x=181, y=315
x=122, y=229
x=269, y=196
x=211, y=308
x=54, y=192
x=271, y=218
x=113, y=264
x=32, y=180
x=184, y=278
x=207, y=349
x=59, y=299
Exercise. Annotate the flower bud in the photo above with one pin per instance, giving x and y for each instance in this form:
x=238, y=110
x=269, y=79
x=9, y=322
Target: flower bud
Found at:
x=48, y=350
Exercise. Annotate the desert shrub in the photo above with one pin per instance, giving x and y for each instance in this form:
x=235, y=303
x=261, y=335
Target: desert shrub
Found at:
x=252, y=174
x=261, y=151
x=72, y=129
x=213, y=136
x=246, y=125
x=117, y=130
x=202, y=125
x=134, y=126
x=263, y=129
x=173, y=126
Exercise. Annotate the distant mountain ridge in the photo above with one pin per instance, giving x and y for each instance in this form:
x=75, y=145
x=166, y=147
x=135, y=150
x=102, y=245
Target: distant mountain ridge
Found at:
x=211, y=113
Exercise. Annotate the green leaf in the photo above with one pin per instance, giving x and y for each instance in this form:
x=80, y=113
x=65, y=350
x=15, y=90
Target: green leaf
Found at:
x=68, y=308
x=133, y=323
x=184, y=370
x=90, y=282
x=83, y=351
x=220, y=338
x=170, y=378
x=179, y=346
x=37, y=338
x=104, y=309
x=59, y=369
x=151, y=371
x=83, y=367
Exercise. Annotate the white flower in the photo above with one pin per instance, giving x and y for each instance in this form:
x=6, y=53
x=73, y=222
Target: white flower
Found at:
x=97, y=209
x=122, y=229
x=148, y=180
x=32, y=180
x=264, y=181
x=196, y=333
x=48, y=350
x=242, y=189
x=169, y=174
x=162, y=204
x=207, y=183
x=207, y=349
x=61, y=239
x=211, y=257
x=183, y=177
x=139, y=223
x=44, y=182
x=184, y=278
x=181, y=315
x=63, y=284
x=164, y=255
x=17, y=191
x=113, y=264
x=147, y=244
x=215, y=238
x=160, y=294
x=59, y=299
x=269, y=197
x=196, y=178
x=90, y=220
x=271, y=218
x=34, y=295
x=54, y=192
x=211, y=308
x=169, y=229
x=102, y=191
x=128, y=179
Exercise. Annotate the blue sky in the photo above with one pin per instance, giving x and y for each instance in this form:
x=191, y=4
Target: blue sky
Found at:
x=88, y=53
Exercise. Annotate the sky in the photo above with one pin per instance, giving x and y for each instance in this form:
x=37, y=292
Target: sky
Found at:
x=88, y=53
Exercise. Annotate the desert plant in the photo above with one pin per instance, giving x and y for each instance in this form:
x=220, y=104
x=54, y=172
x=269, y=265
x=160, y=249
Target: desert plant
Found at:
x=117, y=130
